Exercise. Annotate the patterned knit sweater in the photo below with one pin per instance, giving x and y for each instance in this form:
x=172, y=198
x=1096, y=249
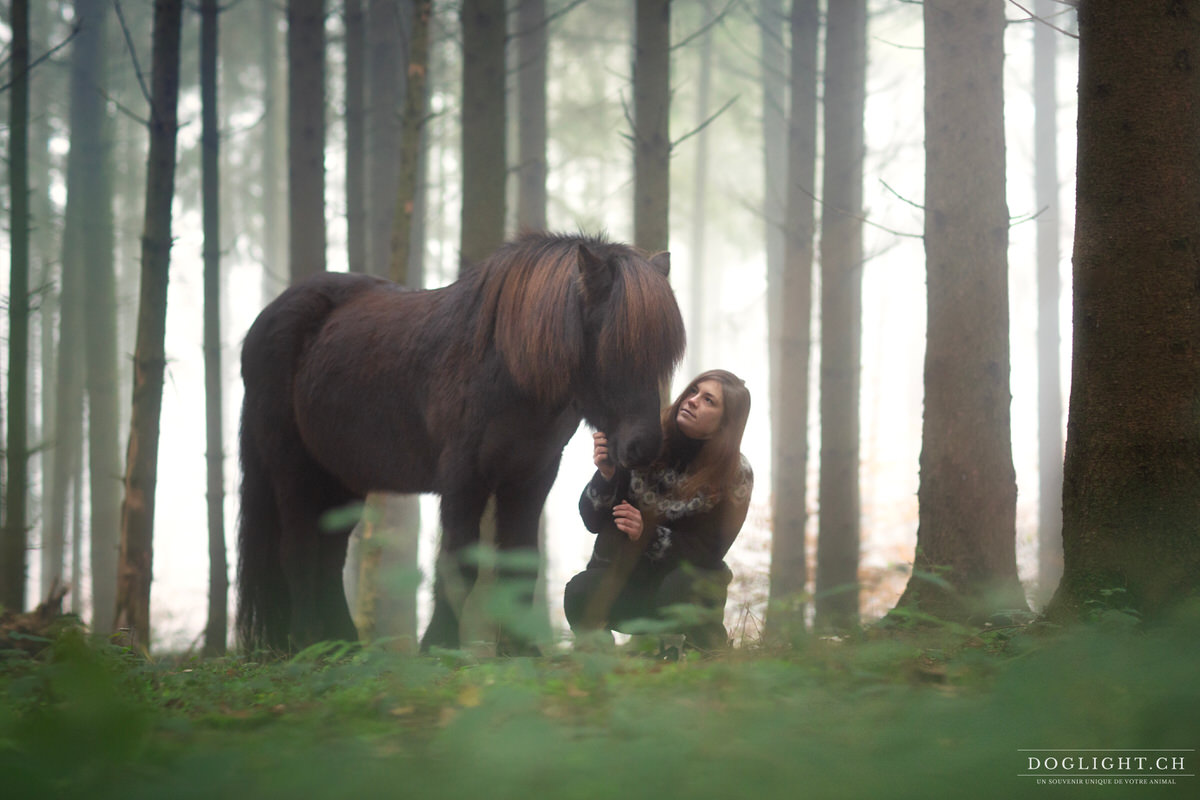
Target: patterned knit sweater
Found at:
x=698, y=529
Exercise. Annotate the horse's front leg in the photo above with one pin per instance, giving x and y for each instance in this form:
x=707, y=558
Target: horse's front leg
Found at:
x=453, y=577
x=518, y=515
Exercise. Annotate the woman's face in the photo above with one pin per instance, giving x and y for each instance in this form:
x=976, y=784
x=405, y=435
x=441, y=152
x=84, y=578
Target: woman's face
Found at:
x=701, y=412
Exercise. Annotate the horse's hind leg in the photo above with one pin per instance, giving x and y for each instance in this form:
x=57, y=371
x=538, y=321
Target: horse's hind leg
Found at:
x=333, y=609
x=313, y=558
x=454, y=578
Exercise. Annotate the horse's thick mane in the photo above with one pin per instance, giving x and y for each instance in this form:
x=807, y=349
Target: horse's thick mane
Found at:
x=532, y=310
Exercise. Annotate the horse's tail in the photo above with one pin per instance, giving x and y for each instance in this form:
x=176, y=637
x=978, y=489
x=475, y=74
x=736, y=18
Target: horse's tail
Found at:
x=263, y=612
x=269, y=442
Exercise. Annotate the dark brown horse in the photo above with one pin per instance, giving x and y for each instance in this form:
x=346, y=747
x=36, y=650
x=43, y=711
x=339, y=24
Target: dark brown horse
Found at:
x=470, y=391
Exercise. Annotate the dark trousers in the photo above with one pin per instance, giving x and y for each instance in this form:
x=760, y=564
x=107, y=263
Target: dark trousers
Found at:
x=645, y=595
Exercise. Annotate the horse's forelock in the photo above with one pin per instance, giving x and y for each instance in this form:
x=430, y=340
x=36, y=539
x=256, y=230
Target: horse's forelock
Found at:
x=530, y=300
x=643, y=336
x=532, y=312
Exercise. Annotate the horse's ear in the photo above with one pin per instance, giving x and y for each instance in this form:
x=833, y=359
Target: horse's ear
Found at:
x=662, y=262
x=597, y=275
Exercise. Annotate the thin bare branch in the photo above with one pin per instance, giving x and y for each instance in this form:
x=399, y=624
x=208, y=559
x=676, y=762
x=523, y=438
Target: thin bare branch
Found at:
x=42, y=57
x=137, y=68
x=712, y=23
x=628, y=115
x=706, y=122
x=1034, y=17
x=117, y=104
x=866, y=220
x=1014, y=221
x=901, y=197
x=549, y=18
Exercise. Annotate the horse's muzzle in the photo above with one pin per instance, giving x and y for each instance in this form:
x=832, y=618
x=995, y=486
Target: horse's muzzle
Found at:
x=637, y=450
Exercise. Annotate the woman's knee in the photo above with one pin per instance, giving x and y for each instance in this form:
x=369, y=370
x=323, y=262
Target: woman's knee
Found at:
x=690, y=585
x=576, y=595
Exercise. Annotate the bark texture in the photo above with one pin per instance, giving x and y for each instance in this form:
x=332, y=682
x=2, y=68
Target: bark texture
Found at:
x=149, y=359
x=965, y=565
x=1131, y=483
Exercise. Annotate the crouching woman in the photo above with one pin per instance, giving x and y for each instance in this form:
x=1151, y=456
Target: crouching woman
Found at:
x=662, y=531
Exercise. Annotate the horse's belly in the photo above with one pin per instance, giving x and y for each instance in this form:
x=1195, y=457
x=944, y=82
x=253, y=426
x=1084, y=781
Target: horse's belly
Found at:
x=370, y=437
x=366, y=459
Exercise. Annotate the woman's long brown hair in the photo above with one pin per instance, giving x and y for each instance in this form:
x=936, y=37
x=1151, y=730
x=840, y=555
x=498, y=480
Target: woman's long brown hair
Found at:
x=716, y=466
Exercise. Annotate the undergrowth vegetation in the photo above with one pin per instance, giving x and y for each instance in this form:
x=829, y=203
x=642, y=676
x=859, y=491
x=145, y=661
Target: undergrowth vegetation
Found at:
x=897, y=713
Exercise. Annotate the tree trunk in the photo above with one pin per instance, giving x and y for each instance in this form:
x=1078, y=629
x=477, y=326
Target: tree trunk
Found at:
x=385, y=602
x=697, y=350
x=484, y=170
x=531, y=115
x=84, y=162
x=387, y=49
x=356, y=163
x=100, y=315
x=306, y=136
x=13, y=573
x=218, y=570
x=787, y=605
x=1131, y=481
x=1050, y=439
x=137, y=512
x=771, y=25
x=837, y=587
x=44, y=86
x=651, y=129
x=274, y=144
x=412, y=124
x=965, y=564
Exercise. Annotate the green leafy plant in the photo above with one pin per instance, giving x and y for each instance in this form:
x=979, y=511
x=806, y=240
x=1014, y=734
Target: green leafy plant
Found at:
x=876, y=712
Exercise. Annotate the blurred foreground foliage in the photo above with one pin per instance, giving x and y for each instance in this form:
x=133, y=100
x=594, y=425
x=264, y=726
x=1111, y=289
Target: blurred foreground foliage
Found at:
x=895, y=713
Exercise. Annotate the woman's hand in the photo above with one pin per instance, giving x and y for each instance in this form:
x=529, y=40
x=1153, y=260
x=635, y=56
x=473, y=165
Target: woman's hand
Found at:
x=628, y=520
x=600, y=455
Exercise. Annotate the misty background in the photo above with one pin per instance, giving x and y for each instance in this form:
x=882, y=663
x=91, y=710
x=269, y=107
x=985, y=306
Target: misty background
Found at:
x=720, y=278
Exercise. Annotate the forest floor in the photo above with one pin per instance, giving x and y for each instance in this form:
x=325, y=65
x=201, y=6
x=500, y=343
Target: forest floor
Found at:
x=945, y=711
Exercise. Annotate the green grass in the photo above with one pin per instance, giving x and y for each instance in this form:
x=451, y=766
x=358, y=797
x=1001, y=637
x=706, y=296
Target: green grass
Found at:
x=899, y=714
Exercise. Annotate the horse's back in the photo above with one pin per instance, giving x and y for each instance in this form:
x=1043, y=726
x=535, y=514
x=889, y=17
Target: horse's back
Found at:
x=290, y=321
